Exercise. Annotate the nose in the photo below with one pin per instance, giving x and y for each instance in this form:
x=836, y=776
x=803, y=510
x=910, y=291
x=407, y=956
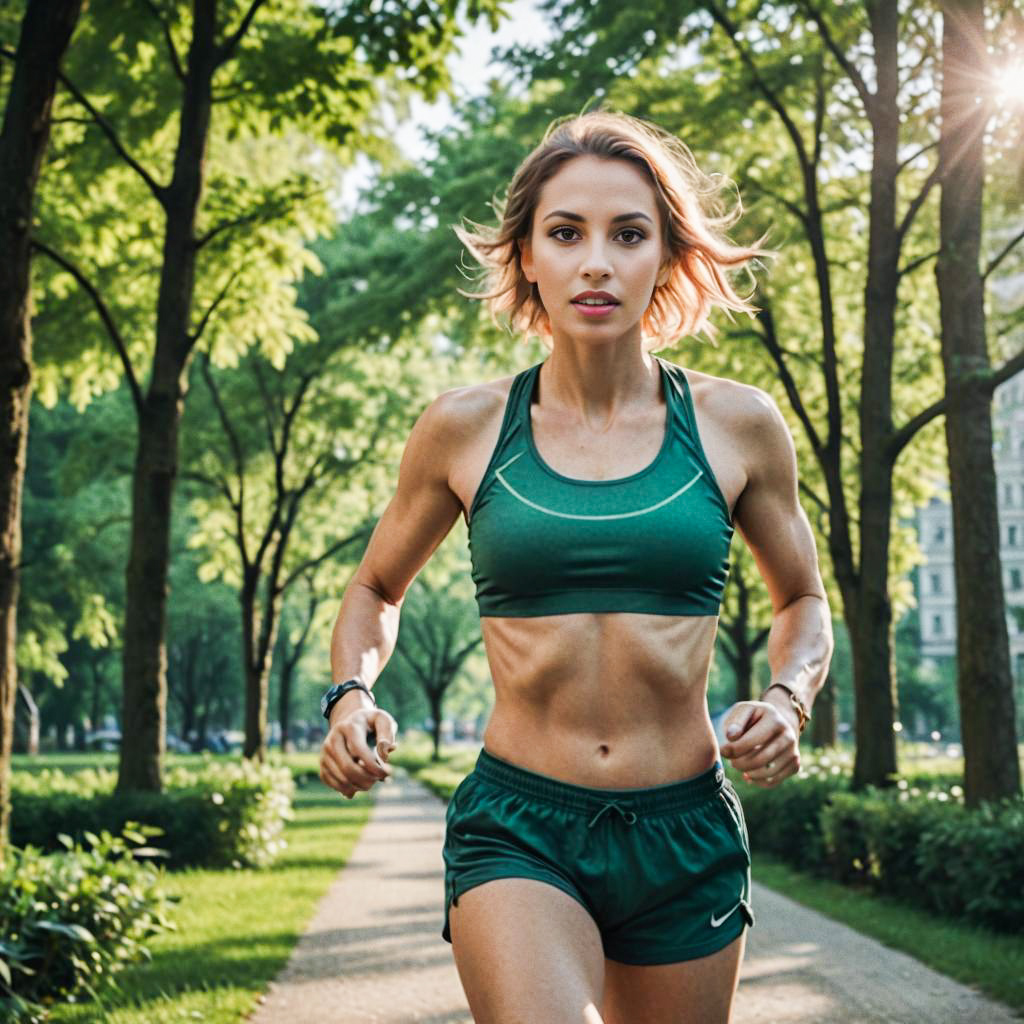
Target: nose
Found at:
x=596, y=265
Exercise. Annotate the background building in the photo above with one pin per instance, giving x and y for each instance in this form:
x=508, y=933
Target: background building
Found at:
x=936, y=590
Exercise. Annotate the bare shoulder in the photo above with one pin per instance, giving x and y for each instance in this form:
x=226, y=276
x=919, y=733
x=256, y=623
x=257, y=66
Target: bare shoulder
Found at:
x=731, y=402
x=459, y=414
x=466, y=424
x=746, y=414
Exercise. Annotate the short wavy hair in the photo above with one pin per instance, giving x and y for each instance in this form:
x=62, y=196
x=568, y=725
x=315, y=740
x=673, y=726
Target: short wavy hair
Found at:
x=693, y=217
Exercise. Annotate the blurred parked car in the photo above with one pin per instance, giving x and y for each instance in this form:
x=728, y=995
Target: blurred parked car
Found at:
x=107, y=740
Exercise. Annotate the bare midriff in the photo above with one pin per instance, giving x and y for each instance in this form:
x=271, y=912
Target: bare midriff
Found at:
x=611, y=700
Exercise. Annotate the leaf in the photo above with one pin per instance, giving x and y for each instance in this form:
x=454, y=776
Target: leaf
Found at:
x=72, y=931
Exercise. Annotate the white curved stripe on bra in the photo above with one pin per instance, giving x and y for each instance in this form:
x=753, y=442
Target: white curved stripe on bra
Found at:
x=570, y=515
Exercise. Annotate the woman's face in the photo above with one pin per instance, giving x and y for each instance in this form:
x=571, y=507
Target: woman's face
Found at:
x=596, y=228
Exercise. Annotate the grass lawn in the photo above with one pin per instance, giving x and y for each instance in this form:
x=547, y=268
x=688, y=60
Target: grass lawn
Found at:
x=235, y=929
x=974, y=956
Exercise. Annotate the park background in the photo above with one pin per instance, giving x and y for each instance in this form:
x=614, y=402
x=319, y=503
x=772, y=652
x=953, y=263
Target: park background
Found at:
x=235, y=288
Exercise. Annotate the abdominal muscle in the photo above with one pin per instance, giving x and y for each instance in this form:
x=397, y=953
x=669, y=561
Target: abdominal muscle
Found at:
x=609, y=700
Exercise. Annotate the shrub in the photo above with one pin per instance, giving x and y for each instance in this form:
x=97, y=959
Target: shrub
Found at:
x=785, y=821
x=973, y=863
x=874, y=838
x=69, y=921
x=220, y=814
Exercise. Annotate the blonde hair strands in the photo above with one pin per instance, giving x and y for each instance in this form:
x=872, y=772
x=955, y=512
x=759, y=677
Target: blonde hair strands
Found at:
x=694, y=223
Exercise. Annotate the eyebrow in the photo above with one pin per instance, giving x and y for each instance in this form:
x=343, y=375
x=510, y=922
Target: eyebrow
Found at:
x=636, y=215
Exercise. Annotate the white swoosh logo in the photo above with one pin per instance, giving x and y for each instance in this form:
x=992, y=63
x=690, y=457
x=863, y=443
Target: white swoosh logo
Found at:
x=716, y=924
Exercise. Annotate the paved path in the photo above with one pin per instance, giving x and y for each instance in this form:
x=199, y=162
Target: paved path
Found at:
x=373, y=953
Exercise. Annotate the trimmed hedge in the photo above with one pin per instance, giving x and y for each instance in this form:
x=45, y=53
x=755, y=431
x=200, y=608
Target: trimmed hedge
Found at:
x=220, y=814
x=69, y=921
x=918, y=845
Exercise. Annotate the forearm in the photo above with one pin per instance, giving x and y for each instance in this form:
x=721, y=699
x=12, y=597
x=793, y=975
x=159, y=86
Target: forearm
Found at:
x=363, y=640
x=800, y=649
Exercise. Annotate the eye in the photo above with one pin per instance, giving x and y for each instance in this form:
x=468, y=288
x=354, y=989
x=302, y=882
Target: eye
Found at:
x=557, y=233
x=639, y=236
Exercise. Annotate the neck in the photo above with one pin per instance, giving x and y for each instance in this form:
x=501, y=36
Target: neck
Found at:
x=598, y=384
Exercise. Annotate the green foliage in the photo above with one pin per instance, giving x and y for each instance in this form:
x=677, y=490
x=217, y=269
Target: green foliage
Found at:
x=973, y=863
x=872, y=839
x=785, y=820
x=223, y=814
x=915, y=842
x=69, y=921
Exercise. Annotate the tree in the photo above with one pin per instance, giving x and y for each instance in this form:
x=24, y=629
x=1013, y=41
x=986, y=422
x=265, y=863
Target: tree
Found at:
x=984, y=677
x=438, y=634
x=277, y=454
x=45, y=34
x=316, y=72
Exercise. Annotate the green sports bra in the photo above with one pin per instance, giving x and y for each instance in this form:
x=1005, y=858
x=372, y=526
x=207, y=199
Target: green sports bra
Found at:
x=655, y=542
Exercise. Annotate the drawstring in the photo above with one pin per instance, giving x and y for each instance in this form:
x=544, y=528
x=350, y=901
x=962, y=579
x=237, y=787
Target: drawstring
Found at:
x=627, y=816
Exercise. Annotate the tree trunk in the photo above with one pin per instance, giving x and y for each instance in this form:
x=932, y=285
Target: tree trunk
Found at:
x=284, y=705
x=46, y=31
x=984, y=680
x=26, y=723
x=144, y=660
x=435, y=697
x=824, y=724
x=94, y=702
x=259, y=631
x=255, y=690
x=872, y=639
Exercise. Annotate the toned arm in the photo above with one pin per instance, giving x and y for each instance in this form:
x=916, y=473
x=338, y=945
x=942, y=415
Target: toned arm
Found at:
x=775, y=528
x=419, y=516
x=416, y=520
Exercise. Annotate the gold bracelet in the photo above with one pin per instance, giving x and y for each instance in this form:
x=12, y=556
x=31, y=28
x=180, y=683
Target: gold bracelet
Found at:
x=802, y=713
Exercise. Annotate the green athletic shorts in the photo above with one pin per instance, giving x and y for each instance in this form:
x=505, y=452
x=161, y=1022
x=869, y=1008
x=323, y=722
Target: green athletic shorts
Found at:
x=664, y=872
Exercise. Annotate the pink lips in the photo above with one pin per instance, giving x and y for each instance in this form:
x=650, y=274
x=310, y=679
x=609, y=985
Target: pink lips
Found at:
x=595, y=310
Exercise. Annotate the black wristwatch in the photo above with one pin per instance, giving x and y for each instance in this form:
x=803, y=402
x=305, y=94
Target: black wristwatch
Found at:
x=336, y=692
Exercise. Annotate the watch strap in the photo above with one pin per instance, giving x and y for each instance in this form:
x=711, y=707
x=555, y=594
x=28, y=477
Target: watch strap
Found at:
x=336, y=692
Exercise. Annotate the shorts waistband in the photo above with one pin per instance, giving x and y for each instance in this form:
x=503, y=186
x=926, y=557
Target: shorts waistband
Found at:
x=673, y=796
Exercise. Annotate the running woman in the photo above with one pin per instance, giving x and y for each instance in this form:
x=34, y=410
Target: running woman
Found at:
x=597, y=862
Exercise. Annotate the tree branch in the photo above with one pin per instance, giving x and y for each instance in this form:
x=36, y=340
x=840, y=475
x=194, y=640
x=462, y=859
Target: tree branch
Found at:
x=914, y=264
x=920, y=152
x=226, y=49
x=105, y=316
x=195, y=335
x=866, y=96
x=1003, y=253
x=175, y=59
x=730, y=29
x=107, y=128
x=770, y=341
x=916, y=203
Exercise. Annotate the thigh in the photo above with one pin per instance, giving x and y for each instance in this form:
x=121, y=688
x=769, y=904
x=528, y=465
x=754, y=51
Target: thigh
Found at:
x=696, y=991
x=526, y=952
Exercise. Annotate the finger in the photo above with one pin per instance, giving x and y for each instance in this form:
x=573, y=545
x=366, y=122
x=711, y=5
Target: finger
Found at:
x=385, y=730
x=778, y=750
x=781, y=769
x=330, y=777
x=749, y=743
x=355, y=734
x=349, y=769
x=736, y=726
